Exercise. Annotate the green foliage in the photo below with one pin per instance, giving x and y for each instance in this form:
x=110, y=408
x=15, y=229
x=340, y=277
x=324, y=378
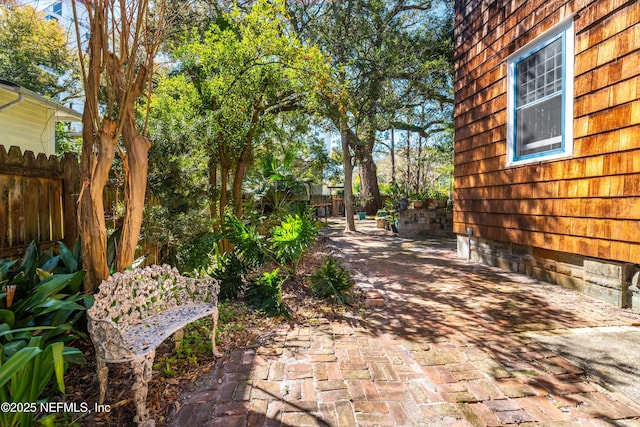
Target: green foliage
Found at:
x=275, y=183
x=230, y=273
x=291, y=238
x=36, y=324
x=265, y=294
x=65, y=143
x=34, y=50
x=179, y=217
x=390, y=60
x=332, y=282
x=249, y=244
x=25, y=376
x=195, y=344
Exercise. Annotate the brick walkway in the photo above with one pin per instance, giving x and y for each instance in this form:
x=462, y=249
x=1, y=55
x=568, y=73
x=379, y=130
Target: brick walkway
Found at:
x=444, y=346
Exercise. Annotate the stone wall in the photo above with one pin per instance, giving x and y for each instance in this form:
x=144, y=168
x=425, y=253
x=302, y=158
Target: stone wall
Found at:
x=430, y=221
x=602, y=279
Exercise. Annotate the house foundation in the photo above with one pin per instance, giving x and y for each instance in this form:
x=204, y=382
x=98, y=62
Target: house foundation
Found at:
x=610, y=281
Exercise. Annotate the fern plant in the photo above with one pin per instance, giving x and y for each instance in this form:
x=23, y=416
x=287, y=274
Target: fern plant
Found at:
x=332, y=282
x=265, y=294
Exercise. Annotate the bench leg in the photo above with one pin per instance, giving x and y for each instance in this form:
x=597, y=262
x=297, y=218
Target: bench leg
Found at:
x=103, y=378
x=178, y=336
x=213, y=335
x=142, y=368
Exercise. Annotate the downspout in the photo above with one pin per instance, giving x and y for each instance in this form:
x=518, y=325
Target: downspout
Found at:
x=14, y=102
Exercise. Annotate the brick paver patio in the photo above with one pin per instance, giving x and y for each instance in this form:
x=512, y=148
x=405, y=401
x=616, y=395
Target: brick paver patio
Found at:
x=446, y=345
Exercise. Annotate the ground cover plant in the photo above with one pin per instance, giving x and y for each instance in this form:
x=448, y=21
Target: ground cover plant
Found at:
x=41, y=307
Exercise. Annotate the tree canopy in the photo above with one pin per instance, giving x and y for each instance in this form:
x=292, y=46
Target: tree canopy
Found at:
x=388, y=59
x=35, y=52
x=245, y=68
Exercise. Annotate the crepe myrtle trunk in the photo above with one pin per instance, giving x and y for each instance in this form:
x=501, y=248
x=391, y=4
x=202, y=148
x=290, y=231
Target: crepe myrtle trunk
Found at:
x=135, y=166
x=98, y=151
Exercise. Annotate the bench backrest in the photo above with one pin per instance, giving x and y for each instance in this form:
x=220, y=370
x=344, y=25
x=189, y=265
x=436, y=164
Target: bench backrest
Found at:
x=134, y=295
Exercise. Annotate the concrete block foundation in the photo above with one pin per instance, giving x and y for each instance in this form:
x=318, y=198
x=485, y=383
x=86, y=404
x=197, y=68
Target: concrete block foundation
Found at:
x=607, y=280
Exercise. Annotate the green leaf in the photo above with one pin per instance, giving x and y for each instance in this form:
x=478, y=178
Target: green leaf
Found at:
x=8, y=317
x=67, y=258
x=73, y=355
x=29, y=329
x=58, y=364
x=17, y=362
x=43, y=274
x=76, y=281
x=13, y=347
x=5, y=265
x=112, y=244
x=51, y=304
x=29, y=261
x=50, y=264
x=77, y=250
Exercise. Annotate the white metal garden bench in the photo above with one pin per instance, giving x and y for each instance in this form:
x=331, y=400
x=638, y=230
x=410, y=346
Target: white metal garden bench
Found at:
x=135, y=311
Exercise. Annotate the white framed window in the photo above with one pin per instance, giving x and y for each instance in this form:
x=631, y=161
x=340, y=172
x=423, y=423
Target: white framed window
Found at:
x=540, y=98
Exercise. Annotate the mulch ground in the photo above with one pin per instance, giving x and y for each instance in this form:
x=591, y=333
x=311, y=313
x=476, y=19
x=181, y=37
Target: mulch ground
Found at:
x=247, y=329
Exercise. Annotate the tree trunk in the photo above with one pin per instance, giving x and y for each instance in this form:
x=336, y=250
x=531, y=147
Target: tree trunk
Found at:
x=408, y=152
x=347, y=164
x=393, y=158
x=213, y=182
x=237, y=187
x=135, y=165
x=419, y=165
x=224, y=182
x=225, y=166
x=98, y=151
x=369, y=189
x=241, y=166
x=94, y=170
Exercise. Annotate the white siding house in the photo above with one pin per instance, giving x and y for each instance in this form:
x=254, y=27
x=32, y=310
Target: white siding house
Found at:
x=28, y=120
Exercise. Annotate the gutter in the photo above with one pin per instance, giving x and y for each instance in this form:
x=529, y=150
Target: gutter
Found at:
x=67, y=113
x=14, y=102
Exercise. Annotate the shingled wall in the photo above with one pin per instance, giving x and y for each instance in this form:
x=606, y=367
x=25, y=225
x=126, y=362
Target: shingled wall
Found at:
x=541, y=214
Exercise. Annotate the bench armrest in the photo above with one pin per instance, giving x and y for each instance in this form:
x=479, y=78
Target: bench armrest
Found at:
x=108, y=341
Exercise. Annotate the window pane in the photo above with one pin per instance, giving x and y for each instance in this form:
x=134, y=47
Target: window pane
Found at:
x=539, y=126
x=540, y=74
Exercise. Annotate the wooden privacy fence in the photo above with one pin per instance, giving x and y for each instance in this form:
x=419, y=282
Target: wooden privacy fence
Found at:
x=37, y=200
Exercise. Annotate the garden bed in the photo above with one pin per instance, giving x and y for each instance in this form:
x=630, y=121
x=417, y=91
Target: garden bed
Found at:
x=239, y=327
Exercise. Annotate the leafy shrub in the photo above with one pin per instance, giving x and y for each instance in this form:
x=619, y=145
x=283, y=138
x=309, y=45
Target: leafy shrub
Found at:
x=199, y=256
x=195, y=345
x=331, y=281
x=265, y=294
x=291, y=238
x=35, y=326
x=249, y=244
x=230, y=273
x=25, y=376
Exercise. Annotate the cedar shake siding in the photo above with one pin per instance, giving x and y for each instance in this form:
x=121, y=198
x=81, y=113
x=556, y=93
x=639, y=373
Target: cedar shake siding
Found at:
x=551, y=218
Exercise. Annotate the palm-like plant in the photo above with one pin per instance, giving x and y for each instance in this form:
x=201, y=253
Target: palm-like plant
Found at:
x=275, y=182
x=290, y=239
x=331, y=281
